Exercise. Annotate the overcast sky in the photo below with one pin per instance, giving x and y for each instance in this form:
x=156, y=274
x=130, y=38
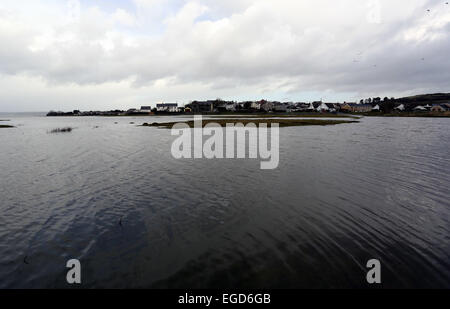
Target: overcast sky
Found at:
x=108, y=54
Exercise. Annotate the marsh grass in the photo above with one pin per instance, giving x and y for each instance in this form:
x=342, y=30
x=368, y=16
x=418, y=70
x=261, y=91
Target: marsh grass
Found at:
x=293, y=115
x=61, y=130
x=281, y=122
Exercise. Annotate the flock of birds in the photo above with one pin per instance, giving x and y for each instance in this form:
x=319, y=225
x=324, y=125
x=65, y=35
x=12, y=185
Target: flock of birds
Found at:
x=430, y=10
x=360, y=53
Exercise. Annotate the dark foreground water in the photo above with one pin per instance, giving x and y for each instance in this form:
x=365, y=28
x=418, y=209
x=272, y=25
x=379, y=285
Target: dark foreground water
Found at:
x=342, y=195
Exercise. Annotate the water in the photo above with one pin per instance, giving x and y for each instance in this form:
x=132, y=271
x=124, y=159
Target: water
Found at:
x=342, y=195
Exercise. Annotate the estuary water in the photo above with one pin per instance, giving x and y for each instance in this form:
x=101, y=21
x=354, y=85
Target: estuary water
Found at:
x=111, y=195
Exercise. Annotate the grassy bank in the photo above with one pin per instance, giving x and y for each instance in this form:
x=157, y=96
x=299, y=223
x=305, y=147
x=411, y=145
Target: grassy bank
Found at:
x=61, y=130
x=290, y=115
x=281, y=122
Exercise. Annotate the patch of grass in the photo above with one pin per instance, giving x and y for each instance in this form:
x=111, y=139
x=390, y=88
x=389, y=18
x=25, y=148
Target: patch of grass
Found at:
x=292, y=115
x=62, y=130
x=281, y=122
x=5, y=126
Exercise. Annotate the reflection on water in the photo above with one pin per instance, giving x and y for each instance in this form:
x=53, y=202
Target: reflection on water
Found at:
x=342, y=195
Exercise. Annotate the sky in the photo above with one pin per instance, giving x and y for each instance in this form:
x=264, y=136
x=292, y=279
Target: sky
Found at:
x=120, y=54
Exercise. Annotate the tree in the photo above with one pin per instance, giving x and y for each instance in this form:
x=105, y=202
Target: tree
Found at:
x=387, y=106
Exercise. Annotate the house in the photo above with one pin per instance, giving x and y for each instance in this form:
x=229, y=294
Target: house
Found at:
x=266, y=106
x=262, y=105
x=310, y=108
x=356, y=108
x=420, y=108
x=347, y=107
x=440, y=108
x=332, y=108
x=146, y=109
x=376, y=108
x=256, y=105
x=323, y=108
x=302, y=107
x=280, y=107
x=363, y=108
x=400, y=108
x=230, y=107
x=202, y=106
x=167, y=107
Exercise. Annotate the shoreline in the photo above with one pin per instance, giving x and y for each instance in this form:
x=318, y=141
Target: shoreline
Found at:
x=283, y=123
x=280, y=115
x=409, y=115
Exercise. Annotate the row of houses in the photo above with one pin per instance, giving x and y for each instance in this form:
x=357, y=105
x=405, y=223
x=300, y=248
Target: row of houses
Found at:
x=274, y=106
x=445, y=107
x=214, y=106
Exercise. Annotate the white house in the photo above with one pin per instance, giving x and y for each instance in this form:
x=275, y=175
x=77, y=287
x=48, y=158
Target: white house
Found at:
x=420, y=108
x=231, y=107
x=256, y=105
x=376, y=108
x=311, y=107
x=167, y=107
x=323, y=108
x=400, y=108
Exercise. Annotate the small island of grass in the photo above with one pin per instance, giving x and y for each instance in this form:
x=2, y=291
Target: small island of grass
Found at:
x=61, y=130
x=5, y=126
x=281, y=122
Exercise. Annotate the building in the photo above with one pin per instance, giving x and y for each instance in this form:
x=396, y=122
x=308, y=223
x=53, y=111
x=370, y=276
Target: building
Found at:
x=400, y=108
x=202, y=107
x=332, y=108
x=167, y=107
x=146, y=109
x=256, y=105
x=323, y=108
x=230, y=107
x=280, y=107
x=420, y=108
x=356, y=108
x=310, y=108
x=440, y=108
x=266, y=106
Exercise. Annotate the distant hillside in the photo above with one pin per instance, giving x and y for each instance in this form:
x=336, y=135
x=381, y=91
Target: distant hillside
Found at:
x=435, y=98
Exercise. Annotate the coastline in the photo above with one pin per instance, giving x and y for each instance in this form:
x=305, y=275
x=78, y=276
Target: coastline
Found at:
x=409, y=114
x=283, y=123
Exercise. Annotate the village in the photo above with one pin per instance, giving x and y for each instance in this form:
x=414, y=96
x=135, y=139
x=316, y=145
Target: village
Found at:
x=370, y=106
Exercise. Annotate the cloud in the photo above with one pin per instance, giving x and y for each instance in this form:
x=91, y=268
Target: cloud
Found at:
x=233, y=48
